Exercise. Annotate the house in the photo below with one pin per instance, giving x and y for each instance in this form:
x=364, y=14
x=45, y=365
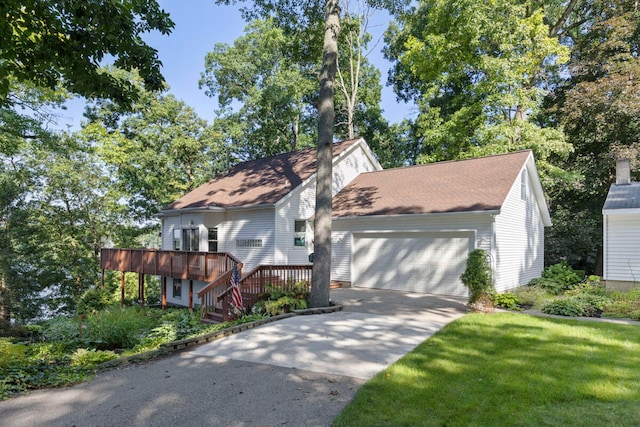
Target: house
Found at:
x=621, y=229
x=412, y=228
x=409, y=228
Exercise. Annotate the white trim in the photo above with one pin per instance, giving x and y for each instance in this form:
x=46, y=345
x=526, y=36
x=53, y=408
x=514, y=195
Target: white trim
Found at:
x=625, y=211
x=605, y=243
x=538, y=192
x=400, y=216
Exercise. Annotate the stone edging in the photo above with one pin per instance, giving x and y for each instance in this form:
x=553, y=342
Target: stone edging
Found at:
x=175, y=346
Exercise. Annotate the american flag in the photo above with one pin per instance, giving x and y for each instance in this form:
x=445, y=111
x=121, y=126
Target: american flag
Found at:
x=236, y=295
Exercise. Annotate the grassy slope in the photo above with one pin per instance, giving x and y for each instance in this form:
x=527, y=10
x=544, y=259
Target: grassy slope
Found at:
x=507, y=370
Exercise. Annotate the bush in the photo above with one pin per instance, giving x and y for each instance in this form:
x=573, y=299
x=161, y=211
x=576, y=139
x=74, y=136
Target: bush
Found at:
x=506, y=300
x=557, y=279
x=61, y=328
x=93, y=300
x=564, y=307
x=277, y=301
x=477, y=276
x=11, y=354
x=91, y=358
x=117, y=328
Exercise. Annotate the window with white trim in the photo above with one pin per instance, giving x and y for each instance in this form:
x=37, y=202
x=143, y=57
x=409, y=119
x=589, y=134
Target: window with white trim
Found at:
x=213, y=239
x=176, y=239
x=248, y=243
x=299, y=232
x=190, y=239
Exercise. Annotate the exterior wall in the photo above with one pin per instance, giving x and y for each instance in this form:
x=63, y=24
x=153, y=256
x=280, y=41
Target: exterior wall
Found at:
x=343, y=229
x=184, y=298
x=300, y=205
x=172, y=223
x=250, y=224
x=519, y=235
x=621, y=250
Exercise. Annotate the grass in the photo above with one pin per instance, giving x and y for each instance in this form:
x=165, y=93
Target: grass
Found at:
x=509, y=370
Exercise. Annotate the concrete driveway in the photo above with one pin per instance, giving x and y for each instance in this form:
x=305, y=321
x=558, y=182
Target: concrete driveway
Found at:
x=299, y=371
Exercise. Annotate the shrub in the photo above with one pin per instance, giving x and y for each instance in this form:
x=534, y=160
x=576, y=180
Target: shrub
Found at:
x=477, y=276
x=279, y=301
x=117, y=328
x=93, y=300
x=91, y=358
x=506, y=300
x=11, y=354
x=61, y=328
x=564, y=307
x=557, y=278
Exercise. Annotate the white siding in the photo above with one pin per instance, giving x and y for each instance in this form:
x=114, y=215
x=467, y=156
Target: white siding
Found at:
x=519, y=234
x=301, y=205
x=171, y=223
x=477, y=224
x=183, y=300
x=622, y=247
x=248, y=224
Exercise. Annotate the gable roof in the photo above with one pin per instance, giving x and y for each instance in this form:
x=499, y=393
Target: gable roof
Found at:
x=256, y=182
x=480, y=184
x=621, y=197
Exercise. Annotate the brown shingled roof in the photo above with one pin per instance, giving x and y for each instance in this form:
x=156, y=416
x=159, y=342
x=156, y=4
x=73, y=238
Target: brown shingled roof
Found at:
x=256, y=182
x=480, y=184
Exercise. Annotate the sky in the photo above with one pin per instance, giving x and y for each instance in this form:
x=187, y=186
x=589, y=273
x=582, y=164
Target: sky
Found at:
x=199, y=25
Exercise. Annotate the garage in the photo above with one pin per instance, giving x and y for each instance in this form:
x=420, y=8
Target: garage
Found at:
x=414, y=262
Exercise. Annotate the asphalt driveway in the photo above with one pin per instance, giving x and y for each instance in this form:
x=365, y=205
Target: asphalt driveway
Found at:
x=299, y=371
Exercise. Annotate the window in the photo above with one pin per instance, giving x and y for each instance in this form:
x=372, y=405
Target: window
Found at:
x=177, y=288
x=176, y=240
x=213, y=239
x=299, y=231
x=190, y=239
x=249, y=243
x=523, y=184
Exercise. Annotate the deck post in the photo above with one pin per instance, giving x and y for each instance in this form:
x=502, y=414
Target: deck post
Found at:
x=190, y=294
x=141, y=289
x=164, y=293
x=102, y=283
x=122, y=290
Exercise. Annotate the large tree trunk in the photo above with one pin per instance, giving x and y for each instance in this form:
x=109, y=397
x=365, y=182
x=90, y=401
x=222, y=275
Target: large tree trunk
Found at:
x=326, y=118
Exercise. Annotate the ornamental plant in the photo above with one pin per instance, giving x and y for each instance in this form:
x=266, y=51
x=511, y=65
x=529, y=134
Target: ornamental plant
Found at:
x=477, y=276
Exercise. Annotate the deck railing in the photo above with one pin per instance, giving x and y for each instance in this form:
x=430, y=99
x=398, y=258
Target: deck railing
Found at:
x=203, y=266
x=252, y=285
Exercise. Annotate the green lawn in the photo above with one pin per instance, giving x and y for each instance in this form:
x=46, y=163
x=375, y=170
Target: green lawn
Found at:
x=509, y=370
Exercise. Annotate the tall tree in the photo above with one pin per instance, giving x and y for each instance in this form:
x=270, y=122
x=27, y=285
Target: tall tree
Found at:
x=52, y=43
x=477, y=70
x=318, y=22
x=597, y=104
x=157, y=151
x=265, y=103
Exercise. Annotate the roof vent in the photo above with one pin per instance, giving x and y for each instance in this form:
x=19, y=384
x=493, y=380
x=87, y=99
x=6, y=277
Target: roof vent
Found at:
x=623, y=172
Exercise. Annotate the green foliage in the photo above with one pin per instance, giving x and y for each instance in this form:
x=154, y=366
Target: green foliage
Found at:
x=278, y=300
x=117, y=328
x=11, y=354
x=506, y=300
x=63, y=43
x=94, y=299
x=557, y=279
x=584, y=304
x=477, y=275
x=91, y=358
x=61, y=328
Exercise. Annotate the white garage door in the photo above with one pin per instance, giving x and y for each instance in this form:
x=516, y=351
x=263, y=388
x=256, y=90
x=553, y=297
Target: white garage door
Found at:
x=415, y=262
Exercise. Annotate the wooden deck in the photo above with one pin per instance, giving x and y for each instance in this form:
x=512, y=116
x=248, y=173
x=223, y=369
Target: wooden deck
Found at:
x=203, y=266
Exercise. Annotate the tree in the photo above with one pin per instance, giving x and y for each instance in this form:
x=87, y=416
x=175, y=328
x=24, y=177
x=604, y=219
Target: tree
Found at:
x=598, y=106
x=273, y=92
x=478, y=72
x=53, y=43
x=318, y=22
x=156, y=152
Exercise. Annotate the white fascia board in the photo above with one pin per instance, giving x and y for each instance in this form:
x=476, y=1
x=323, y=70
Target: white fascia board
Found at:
x=175, y=212
x=401, y=216
x=538, y=192
x=629, y=211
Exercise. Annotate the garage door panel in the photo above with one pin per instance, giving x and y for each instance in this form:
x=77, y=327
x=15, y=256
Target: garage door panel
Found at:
x=416, y=262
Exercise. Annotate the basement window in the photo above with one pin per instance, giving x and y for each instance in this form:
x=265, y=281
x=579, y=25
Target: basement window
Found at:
x=249, y=243
x=177, y=288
